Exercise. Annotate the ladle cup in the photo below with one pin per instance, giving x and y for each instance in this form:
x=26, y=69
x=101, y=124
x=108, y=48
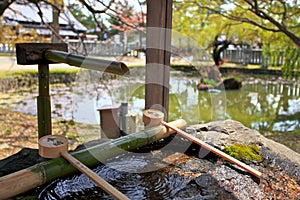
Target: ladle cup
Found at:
x=53, y=146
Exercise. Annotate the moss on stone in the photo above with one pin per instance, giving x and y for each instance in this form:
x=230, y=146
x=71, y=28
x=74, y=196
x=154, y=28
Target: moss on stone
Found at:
x=244, y=153
x=237, y=78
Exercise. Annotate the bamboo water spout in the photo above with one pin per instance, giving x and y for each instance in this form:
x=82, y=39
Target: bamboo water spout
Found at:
x=32, y=177
x=44, y=54
x=113, y=67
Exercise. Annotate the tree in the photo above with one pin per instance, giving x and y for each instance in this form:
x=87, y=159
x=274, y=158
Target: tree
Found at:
x=277, y=16
x=86, y=19
x=274, y=23
x=279, y=20
x=56, y=8
x=126, y=18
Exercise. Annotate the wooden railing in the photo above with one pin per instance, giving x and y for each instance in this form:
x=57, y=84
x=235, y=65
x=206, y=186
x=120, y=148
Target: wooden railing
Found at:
x=253, y=56
x=110, y=48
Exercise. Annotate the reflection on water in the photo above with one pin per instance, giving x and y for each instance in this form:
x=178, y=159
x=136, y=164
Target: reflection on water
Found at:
x=266, y=106
x=259, y=104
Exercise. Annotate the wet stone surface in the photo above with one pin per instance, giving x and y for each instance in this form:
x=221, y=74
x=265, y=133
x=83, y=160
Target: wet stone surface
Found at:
x=154, y=172
x=186, y=177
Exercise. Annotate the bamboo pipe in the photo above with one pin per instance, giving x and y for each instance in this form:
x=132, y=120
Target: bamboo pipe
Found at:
x=113, y=67
x=53, y=146
x=32, y=177
x=214, y=150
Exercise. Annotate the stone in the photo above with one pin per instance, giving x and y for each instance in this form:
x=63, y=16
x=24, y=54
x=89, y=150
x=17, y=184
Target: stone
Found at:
x=230, y=132
x=197, y=174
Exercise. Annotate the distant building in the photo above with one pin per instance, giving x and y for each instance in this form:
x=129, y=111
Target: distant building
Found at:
x=24, y=16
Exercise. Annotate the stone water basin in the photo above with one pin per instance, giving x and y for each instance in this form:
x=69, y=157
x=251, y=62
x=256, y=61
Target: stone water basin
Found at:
x=183, y=170
x=178, y=169
x=146, y=176
x=177, y=176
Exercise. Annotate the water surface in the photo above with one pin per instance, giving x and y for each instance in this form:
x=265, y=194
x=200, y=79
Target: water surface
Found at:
x=264, y=104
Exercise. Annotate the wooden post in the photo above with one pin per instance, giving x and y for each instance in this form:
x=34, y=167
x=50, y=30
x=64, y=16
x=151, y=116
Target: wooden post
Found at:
x=110, y=122
x=159, y=26
x=33, y=53
x=43, y=102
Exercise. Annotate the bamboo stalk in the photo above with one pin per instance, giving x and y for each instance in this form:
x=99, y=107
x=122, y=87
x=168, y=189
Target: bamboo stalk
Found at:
x=29, y=178
x=54, y=146
x=214, y=150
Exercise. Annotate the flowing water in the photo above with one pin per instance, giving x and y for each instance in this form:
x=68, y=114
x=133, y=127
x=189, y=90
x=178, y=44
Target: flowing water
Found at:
x=127, y=173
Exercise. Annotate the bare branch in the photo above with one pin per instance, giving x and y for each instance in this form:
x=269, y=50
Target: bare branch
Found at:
x=78, y=35
x=240, y=19
x=261, y=14
x=40, y=13
x=92, y=10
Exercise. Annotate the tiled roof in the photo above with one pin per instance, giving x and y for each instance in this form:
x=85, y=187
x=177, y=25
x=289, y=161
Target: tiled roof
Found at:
x=28, y=12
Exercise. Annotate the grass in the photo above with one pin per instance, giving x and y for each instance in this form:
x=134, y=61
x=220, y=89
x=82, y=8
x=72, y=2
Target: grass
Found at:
x=4, y=74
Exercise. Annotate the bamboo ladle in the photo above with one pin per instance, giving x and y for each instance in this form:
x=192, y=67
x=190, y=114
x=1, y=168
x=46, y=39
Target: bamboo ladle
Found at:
x=154, y=117
x=53, y=146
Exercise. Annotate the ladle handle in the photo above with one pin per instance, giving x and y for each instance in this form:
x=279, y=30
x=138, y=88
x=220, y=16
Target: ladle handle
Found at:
x=214, y=150
x=94, y=177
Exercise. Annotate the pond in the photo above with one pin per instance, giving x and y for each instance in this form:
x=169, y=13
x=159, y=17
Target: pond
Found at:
x=264, y=104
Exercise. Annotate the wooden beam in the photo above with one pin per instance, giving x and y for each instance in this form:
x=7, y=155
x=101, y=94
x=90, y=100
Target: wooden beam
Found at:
x=159, y=26
x=33, y=53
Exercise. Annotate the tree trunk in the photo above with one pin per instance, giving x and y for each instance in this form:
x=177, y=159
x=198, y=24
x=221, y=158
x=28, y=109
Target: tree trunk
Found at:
x=4, y=5
x=55, y=23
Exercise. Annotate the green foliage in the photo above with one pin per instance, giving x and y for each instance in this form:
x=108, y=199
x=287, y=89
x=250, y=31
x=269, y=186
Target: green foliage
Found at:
x=292, y=61
x=195, y=23
x=87, y=20
x=275, y=24
x=175, y=108
x=238, y=79
x=209, y=82
x=244, y=153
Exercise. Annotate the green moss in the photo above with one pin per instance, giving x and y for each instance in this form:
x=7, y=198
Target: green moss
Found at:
x=238, y=79
x=244, y=153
